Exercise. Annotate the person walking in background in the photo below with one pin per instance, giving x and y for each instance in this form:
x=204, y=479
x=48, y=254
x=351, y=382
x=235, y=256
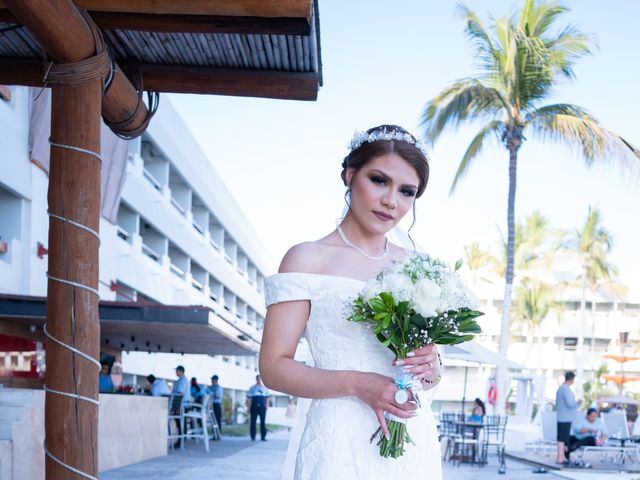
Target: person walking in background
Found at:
x=257, y=398
x=105, y=383
x=158, y=386
x=216, y=392
x=566, y=407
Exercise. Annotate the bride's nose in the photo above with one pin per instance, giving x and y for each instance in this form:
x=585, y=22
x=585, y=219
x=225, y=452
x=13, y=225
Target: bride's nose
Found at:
x=389, y=200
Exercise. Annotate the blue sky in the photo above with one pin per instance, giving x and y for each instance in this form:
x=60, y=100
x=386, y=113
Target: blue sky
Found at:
x=382, y=61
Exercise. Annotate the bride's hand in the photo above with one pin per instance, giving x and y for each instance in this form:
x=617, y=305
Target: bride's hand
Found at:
x=423, y=363
x=378, y=392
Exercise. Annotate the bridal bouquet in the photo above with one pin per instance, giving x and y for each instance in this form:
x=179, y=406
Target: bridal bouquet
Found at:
x=409, y=305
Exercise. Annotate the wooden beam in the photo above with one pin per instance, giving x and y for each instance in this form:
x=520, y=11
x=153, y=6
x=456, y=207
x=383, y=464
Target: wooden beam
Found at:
x=236, y=8
x=145, y=22
x=179, y=79
x=224, y=81
x=172, y=23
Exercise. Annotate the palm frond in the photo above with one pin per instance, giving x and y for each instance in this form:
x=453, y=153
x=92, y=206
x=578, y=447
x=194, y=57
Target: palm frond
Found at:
x=465, y=99
x=574, y=126
x=494, y=128
x=479, y=36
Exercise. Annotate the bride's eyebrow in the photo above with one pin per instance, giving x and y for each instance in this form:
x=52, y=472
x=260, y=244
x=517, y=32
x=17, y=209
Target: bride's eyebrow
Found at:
x=387, y=177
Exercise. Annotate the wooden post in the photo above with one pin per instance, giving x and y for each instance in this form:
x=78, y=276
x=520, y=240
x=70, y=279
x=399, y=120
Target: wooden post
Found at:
x=71, y=423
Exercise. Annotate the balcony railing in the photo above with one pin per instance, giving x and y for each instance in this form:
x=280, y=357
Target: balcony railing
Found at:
x=149, y=252
x=122, y=233
x=176, y=270
x=149, y=176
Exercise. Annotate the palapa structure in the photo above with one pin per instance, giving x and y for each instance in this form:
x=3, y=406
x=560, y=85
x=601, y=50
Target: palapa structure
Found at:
x=98, y=56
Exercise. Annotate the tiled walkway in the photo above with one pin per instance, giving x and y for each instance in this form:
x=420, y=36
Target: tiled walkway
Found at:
x=236, y=458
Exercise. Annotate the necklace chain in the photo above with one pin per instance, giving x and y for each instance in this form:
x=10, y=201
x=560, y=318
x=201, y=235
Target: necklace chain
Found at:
x=362, y=252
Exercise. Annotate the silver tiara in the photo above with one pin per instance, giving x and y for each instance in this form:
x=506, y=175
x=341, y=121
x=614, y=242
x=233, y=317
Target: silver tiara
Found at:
x=360, y=137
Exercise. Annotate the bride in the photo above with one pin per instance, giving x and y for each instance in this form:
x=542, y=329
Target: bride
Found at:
x=351, y=382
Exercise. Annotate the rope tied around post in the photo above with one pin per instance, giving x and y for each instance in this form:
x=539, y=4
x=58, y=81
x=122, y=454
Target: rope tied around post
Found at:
x=123, y=128
x=75, y=73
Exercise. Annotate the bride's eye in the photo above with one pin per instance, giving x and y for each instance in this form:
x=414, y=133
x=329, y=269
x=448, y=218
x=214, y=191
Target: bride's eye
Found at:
x=378, y=180
x=408, y=192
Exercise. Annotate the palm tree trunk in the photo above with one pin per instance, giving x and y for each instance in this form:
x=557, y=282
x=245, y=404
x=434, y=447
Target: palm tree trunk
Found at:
x=513, y=145
x=580, y=346
x=593, y=332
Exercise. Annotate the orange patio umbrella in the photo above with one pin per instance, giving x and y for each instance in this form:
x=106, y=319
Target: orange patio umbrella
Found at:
x=621, y=379
x=622, y=358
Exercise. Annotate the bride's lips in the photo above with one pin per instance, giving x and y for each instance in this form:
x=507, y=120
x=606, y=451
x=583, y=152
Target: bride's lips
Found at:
x=385, y=217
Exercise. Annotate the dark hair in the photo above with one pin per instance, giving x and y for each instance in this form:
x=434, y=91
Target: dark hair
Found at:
x=194, y=382
x=181, y=368
x=592, y=410
x=363, y=154
x=480, y=403
x=215, y=377
x=569, y=376
x=151, y=378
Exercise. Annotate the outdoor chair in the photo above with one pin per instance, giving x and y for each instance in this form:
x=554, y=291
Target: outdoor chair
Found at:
x=197, y=418
x=448, y=431
x=174, y=415
x=548, y=445
x=494, y=432
x=617, y=427
x=215, y=428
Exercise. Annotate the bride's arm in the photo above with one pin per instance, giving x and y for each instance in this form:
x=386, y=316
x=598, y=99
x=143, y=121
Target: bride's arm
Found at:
x=284, y=325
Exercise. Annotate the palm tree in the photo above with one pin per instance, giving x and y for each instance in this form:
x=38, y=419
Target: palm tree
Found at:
x=522, y=57
x=477, y=259
x=591, y=243
x=534, y=300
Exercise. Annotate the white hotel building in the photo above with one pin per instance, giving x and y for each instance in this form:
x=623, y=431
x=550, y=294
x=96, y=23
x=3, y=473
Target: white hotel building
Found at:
x=179, y=239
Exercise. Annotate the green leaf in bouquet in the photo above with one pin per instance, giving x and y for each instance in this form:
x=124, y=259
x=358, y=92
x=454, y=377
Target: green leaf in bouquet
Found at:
x=402, y=308
x=458, y=265
x=388, y=299
x=377, y=304
x=418, y=320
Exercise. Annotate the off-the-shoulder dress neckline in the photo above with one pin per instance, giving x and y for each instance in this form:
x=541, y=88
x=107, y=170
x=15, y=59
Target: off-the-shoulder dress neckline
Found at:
x=327, y=275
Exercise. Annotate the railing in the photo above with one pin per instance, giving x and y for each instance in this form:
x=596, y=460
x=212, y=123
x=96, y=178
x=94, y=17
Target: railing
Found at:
x=149, y=252
x=122, y=233
x=178, y=206
x=149, y=176
x=176, y=270
x=196, y=284
x=197, y=226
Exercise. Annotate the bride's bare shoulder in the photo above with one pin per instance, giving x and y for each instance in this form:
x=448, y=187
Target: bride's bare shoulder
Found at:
x=306, y=257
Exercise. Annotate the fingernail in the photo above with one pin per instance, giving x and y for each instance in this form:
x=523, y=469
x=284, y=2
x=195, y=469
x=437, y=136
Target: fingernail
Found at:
x=411, y=354
x=399, y=362
x=407, y=369
x=417, y=379
x=386, y=435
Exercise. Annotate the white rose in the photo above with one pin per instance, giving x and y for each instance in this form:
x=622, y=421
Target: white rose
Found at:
x=399, y=285
x=426, y=298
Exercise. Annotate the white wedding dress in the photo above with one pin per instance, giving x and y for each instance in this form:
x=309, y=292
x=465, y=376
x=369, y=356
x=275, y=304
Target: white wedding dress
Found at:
x=334, y=443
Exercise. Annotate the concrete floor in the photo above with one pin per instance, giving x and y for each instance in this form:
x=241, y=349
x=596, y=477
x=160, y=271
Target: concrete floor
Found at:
x=238, y=458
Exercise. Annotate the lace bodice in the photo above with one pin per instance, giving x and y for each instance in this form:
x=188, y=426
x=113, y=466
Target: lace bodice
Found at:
x=332, y=442
x=334, y=342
